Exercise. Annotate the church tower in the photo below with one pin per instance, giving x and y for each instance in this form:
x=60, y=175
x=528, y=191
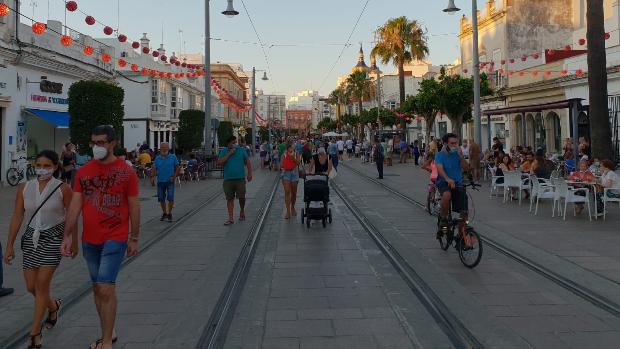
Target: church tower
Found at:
x=361, y=65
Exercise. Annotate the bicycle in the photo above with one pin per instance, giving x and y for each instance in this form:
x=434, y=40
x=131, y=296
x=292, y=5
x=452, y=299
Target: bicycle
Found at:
x=433, y=200
x=16, y=173
x=467, y=242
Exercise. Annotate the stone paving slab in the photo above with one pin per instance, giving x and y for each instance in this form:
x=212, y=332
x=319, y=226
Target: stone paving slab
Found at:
x=167, y=293
x=333, y=289
x=536, y=309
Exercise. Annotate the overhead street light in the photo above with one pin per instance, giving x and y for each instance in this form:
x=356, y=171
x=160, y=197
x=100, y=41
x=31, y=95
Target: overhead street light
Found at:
x=452, y=9
x=230, y=12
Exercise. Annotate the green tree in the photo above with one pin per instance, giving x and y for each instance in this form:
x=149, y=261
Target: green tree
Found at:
x=328, y=124
x=400, y=41
x=94, y=103
x=191, y=129
x=339, y=96
x=457, y=98
x=600, y=128
x=224, y=132
x=360, y=88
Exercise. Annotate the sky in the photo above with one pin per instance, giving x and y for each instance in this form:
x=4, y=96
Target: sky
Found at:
x=302, y=39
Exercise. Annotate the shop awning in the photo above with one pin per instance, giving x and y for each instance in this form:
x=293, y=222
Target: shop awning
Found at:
x=59, y=119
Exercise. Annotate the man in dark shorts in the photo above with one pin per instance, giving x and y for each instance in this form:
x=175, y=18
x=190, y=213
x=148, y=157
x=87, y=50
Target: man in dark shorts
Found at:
x=234, y=158
x=450, y=164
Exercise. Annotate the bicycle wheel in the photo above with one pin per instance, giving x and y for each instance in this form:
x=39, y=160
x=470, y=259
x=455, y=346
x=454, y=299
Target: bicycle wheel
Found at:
x=469, y=247
x=444, y=240
x=30, y=173
x=13, y=177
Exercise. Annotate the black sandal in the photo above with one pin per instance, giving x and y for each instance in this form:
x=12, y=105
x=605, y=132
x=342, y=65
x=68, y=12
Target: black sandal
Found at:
x=100, y=341
x=49, y=323
x=32, y=338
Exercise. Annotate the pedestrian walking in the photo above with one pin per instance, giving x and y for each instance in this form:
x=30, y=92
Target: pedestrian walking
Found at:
x=379, y=156
x=349, y=145
x=166, y=169
x=332, y=150
x=234, y=158
x=69, y=160
x=416, y=152
x=43, y=201
x=290, y=179
x=404, y=150
x=340, y=144
x=106, y=193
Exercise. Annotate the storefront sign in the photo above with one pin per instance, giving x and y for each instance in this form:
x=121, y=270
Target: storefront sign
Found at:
x=50, y=87
x=45, y=99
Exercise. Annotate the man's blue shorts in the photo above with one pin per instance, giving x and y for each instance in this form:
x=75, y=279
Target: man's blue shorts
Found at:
x=165, y=191
x=104, y=261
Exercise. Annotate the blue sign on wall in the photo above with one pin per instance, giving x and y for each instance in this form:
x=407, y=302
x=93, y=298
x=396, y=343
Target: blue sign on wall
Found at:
x=10, y=140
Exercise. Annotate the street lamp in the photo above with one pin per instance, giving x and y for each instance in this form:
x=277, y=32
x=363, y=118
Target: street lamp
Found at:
x=230, y=12
x=451, y=9
x=264, y=78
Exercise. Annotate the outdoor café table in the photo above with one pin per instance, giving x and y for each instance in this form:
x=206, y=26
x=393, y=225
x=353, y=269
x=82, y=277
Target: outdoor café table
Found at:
x=592, y=188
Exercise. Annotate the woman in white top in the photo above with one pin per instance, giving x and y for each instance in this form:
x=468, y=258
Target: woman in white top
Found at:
x=609, y=179
x=43, y=201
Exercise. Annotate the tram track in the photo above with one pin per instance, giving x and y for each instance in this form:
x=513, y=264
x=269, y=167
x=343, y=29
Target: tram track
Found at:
x=216, y=329
x=579, y=290
x=458, y=334
x=17, y=338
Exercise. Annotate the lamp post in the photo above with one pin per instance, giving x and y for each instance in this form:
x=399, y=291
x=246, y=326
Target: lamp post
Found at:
x=229, y=12
x=253, y=118
x=451, y=9
x=376, y=70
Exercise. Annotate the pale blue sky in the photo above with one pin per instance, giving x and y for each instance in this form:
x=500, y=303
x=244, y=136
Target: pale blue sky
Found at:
x=311, y=24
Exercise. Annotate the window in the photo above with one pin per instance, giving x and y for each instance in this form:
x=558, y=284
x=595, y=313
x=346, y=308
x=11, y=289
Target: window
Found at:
x=442, y=128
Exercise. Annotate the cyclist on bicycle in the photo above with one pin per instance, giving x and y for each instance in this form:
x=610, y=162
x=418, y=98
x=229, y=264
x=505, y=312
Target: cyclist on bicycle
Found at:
x=450, y=164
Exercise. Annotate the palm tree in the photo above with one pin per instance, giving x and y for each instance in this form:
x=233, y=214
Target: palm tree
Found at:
x=400, y=41
x=360, y=88
x=600, y=129
x=338, y=97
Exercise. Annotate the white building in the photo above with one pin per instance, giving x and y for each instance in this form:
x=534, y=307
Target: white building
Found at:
x=271, y=107
x=36, y=72
x=309, y=100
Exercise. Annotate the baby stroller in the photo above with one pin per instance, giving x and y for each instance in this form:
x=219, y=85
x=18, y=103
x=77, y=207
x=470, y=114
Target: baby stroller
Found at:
x=316, y=197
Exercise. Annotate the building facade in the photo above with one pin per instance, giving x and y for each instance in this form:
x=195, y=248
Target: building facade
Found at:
x=271, y=107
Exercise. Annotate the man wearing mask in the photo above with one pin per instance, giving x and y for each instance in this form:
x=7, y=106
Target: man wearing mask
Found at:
x=166, y=169
x=234, y=158
x=106, y=193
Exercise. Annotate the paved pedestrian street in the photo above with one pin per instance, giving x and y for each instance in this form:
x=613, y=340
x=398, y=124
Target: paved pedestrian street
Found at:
x=341, y=286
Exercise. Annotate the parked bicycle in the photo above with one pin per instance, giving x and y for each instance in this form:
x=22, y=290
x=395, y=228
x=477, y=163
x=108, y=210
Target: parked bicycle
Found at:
x=16, y=173
x=467, y=241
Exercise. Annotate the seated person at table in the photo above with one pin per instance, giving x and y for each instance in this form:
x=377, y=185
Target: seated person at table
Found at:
x=540, y=167
x=526, y=166
x=582, y=175
x=609, y=179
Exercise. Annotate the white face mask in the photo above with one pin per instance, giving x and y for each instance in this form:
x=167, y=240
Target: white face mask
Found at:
x=43, y=173
x=99, y=153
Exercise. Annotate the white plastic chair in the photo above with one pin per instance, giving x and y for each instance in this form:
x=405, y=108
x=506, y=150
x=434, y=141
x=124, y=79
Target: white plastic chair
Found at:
x=569, y=194
x=512, y=180
x=541, y=189
x=494, y=185
x=607, y=199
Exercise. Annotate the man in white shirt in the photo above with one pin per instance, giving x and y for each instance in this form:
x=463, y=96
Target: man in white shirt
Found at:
x=349, y=148
x=390, y=150
x=465, y=149
x=340, y=145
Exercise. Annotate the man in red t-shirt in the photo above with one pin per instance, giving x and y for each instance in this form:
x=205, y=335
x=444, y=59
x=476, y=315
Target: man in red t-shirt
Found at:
x=106, y=192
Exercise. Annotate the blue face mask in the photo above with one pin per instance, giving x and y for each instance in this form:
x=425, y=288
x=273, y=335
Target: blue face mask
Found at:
x=453, y=150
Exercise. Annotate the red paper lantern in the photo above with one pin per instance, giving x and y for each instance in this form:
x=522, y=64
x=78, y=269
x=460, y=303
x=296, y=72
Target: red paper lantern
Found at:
x=163, y=58
x=551, y=52
x=182, y=75
x=582, y=42
x=122, y=63
x=184, y=65
x=607, y=36
x=536, y=55
x=564, y=72
x=547, y=73
x=135, y=45
x=155, y=53
x=523, y=58
x=39, y=28
x=490, y=70
x=512, y=60
x=90, y=20
x=579, y=72
x=511, y=72
x=521, y=73
x=465, y=71
x=108, y=30
x=88, y=50
x=503, y=61
x=146, y=50
x=169, y=75
x=482, y=65
x=106, y=57
x=162, y=74
x=492, y=64
x=154, y=72
x=568, y=48
x=71, y=6
x=66, y=40
x=134, y=67
x=501, y=71
x=144, y=71
x=4, y=10
x=177, y=75
x=177, y=63
x=534, y=73
x=122, y=38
